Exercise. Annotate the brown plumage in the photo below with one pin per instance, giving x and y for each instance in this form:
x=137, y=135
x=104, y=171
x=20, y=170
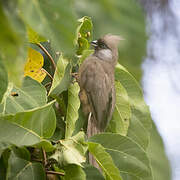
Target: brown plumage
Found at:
x=96, y=81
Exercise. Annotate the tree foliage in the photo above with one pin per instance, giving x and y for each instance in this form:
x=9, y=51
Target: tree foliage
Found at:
x=42, y=129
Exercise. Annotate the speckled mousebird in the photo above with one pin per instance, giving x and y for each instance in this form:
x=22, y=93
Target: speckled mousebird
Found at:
x=96, y=81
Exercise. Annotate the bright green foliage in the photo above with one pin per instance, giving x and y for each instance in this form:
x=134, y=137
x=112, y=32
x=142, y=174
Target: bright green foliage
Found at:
x=121, y=116
x=41, y=124
x=59, y=72
x=63, y=84
x=84, y=34
x=105, y=161
x=72, y=109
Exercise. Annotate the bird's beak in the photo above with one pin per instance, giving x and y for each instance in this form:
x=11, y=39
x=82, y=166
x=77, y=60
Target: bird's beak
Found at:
x=94, y=43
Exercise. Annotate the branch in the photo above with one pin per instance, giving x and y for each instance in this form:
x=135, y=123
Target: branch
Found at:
x=47, y=73
x=47, y=53
x=54, y=172
x=44, y=157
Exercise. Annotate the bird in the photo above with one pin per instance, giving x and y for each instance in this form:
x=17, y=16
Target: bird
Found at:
x=97, y=86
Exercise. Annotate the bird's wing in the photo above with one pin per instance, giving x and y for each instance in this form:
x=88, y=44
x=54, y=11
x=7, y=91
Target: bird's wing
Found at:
x=98, y=87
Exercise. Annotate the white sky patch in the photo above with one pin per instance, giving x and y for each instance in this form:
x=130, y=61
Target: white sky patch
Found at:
x=161, y=82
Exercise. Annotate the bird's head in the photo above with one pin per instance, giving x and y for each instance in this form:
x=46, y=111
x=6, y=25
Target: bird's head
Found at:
x=106, y=48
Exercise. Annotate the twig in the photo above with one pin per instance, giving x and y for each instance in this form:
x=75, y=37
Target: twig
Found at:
x=38, y=160
x=47, y=53
x=55, y=172
x=44, y=157
x=48, y=84
x=47, y=73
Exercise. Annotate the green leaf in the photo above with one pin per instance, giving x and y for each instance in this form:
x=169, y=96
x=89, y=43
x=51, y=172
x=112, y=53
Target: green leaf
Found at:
x=63, y=84
x=71, y=151
x=81, y=122
x=84, y=34
x=72, y=109
x=129, y=157
x=4, y=163
x=21, y=152
x=3, y=80
x=104, y=160
x=83, y=45
x=140, y=112
x=85, y=28
x=59, y=72
x=3, y=147
x=23, y=169
x=31, y=95
x=159, y=162
x=29, y=128
x=55, y=20
x=122, y=113
x=9, y=39
x=74, y=172
x=92, y=173
x=136, y=130
x=34, y=37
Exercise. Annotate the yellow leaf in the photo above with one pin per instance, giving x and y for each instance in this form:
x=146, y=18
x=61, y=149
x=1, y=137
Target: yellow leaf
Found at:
x=34, y=64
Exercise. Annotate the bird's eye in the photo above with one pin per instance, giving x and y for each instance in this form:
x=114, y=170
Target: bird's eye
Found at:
x=103, y=46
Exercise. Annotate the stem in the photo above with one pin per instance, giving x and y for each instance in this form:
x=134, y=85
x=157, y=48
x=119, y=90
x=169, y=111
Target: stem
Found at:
x=47, y=73
x=48, y=84
x=44, y=157
x=54, y=172
x=37, y=160
x=47, y=53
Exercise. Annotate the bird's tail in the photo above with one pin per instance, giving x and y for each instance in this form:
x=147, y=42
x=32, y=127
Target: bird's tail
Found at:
x=92, y=129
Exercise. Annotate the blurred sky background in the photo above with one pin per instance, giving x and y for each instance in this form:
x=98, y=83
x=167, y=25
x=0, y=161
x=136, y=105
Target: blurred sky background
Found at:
x=161, y=77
